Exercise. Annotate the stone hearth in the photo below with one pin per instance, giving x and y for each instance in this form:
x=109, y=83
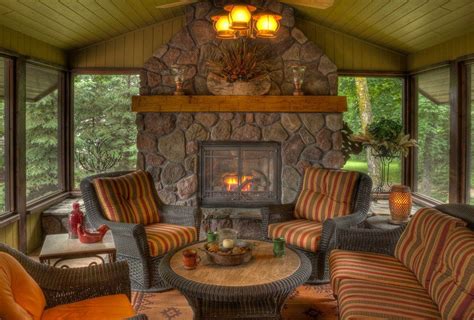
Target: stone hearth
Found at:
x=168, y=142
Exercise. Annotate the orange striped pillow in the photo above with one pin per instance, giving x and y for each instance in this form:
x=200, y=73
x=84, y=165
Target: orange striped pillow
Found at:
x=326, y=194
x=452, y=285
x=128, y=198
x=421, y=243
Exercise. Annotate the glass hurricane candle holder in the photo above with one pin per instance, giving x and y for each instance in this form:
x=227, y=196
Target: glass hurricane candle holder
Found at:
x=400, y=203
x=227, y=238
x=178, y=72
x=298, y=77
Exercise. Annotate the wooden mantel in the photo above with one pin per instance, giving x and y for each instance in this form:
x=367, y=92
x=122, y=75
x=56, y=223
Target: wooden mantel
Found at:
x=239, y=104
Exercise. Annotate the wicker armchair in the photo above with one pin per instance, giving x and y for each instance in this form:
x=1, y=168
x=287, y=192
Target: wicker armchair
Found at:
x=131, y=239
x=285, y=212
x=64, y=286
x=385, y=241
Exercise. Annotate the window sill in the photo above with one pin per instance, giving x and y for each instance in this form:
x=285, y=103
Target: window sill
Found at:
x=42, y=204
x=8, y=218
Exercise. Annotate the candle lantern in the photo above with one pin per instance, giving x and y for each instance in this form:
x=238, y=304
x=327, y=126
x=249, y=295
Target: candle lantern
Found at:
x=227, y=238
x=400, y=203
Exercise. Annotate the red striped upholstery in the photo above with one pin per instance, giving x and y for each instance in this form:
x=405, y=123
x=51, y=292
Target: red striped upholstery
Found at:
x=128, y=198
x=326, y=194
x=421, y=243
x=304, y=234
x=371, y=267
x=452, y=286
x=359, y=299
x=163, y=237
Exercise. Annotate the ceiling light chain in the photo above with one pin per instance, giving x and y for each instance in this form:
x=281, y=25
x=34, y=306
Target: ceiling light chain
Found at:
x=242, y=20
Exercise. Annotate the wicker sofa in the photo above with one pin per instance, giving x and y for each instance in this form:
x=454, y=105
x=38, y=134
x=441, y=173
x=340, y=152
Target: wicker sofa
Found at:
x=281, y=215
x=428, y=274
x=68, y=293
x=131, y=239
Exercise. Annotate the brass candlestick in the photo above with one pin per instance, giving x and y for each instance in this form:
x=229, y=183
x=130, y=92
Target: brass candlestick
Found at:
x=178, y=72
x=298, y=77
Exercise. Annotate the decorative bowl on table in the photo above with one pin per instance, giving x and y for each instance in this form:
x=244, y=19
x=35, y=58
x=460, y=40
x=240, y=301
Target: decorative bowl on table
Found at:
x=240, y=253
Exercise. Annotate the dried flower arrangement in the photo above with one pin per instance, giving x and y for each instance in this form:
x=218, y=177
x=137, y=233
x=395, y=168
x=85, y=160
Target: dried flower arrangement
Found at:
x=240, y=60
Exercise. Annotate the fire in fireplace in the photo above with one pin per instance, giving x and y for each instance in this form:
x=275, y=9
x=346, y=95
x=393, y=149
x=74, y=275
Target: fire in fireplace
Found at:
x=239, y=174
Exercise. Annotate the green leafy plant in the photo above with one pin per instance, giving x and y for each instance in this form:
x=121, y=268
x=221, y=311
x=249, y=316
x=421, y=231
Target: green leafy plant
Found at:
x=386, y=138
x=240, y=60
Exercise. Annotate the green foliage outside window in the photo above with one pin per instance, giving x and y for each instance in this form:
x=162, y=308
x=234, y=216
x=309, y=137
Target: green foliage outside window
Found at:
x=384, y=97
x=105, y=131
x=42, y=146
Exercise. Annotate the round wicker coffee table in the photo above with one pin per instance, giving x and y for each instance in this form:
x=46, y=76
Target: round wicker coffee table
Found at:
x=255, y=290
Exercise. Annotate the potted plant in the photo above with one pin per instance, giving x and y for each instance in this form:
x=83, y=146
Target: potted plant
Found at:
x=387, y=141
x=239, y=67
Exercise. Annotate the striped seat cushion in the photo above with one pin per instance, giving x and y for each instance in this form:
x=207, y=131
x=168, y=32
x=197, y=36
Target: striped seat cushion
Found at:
x=326, y=194
x=371, y=267
x=359, y=299
x=452, y=286
x=302, y=233
x=423, y=240
x=128, y=198
x=163, y=237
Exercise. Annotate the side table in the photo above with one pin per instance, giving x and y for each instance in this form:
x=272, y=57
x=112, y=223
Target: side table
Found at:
x=380, y=222
x=60, y=248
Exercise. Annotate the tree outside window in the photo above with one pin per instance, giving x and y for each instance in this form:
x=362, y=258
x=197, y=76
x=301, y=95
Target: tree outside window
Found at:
x=105, y=130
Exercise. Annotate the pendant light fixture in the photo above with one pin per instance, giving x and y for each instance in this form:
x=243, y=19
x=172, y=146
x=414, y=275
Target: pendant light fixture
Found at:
x=267, y=24
x=239, y=20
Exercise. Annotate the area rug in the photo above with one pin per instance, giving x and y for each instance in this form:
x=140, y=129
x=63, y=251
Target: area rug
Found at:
x=306, y=302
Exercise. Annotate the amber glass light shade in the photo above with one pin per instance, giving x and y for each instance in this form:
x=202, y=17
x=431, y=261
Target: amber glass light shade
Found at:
x=222, y=27
x=267, y=24
x=240, y=16
x=400, y=202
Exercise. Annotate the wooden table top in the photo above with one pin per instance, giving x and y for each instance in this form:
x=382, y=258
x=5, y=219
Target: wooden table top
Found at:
x=60, y=246
x=264, y=268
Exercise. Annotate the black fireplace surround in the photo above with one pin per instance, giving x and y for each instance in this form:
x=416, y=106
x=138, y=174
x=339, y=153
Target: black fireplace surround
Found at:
x=239, y=174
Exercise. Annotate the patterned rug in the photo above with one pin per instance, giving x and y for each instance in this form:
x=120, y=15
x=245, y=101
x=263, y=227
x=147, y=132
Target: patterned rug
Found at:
x=306, y=302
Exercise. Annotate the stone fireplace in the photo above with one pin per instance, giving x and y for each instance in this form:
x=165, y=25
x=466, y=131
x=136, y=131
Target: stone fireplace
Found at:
x=169, y=142
x=239, y=174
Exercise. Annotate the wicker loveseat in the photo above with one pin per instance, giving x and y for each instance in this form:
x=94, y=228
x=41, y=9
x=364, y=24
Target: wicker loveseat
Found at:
x=45, y=292
x=133, y=240
x=428, y=275
x=327, y=198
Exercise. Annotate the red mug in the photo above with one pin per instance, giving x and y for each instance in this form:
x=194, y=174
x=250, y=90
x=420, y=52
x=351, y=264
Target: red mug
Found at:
x=190, y=259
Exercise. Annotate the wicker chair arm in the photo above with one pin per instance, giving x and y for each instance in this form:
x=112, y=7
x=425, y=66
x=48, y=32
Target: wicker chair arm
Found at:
x=275, y=214
x=331, y=227
x=181, y=215
x=138, y=317
x=369, y=240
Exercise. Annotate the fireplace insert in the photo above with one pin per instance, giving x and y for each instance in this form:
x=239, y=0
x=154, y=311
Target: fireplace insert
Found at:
x=239, y=174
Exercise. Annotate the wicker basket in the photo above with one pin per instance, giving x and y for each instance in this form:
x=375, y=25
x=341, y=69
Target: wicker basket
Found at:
x=229, y=259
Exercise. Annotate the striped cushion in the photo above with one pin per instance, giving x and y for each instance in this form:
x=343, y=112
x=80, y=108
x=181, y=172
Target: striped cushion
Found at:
x=371, y=267
x=163, y=237
x=421, y=243
x=359, y=299
x=128, y=198
x=452, y=286
x=302, y=233
x=326, y=194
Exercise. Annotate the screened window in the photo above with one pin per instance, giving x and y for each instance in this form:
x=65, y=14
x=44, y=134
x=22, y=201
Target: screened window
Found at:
x=432, y=161
x=42, y=132
x=370, y=99
x=105, y=129
x=4, y=67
